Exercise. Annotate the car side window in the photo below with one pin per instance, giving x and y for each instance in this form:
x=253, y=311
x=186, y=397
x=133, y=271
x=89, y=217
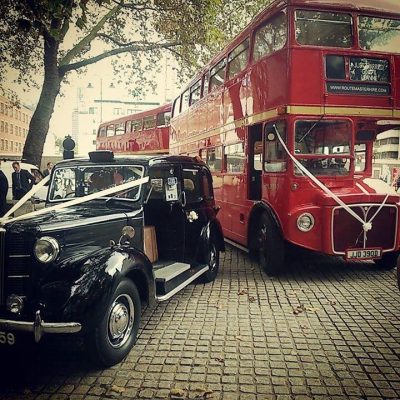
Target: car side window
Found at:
x=192, y=185
x=164, y=184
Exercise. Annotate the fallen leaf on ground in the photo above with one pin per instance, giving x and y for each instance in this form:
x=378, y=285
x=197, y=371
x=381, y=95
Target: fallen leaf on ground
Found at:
x=177, y=392
x=242, y=292
x=219, y=359
x=312, y=309
x=117, y=389
x=299, y=309
x=252, y=299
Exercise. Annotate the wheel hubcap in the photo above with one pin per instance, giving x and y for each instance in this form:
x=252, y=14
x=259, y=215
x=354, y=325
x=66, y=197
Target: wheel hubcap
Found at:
x=120, y=321
x=213, y=258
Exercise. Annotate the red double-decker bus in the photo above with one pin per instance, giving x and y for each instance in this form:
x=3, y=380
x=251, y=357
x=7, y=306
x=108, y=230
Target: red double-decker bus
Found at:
x=286, y=116
x=146, y=132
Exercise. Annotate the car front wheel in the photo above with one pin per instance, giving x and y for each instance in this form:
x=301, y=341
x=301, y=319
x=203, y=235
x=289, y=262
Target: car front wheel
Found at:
x=111, y=341
x=212, y=259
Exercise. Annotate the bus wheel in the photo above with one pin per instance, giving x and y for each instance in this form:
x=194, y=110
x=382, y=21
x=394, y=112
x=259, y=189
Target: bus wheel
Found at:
x=270, y=246
x=110, y=342
x=388, y=261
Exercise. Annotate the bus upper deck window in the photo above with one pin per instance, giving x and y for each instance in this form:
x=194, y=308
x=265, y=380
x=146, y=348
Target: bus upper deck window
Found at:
x=379, y=34
x=110, y=130
x=185, y=101
x=324, y=28
x=270, y=37
x=149, y=122
x=237, y=59
x=163, y=118
x=217, y=75
x=195, y=92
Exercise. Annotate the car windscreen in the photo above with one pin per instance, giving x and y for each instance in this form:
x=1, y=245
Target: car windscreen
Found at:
x=70, y=182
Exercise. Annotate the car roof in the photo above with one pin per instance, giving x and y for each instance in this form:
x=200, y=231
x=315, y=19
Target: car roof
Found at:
x=144, y=160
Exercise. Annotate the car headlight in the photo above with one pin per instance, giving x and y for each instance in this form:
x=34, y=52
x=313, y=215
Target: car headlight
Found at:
x=46, y=249
x=305, y=222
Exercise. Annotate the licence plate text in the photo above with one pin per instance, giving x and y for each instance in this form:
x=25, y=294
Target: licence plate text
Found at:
x=7, y=338
x=363, y=254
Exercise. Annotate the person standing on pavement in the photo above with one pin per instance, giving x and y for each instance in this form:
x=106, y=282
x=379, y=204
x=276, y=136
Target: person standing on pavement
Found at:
x=3, y=193
x=22, y=181
x=47, y=171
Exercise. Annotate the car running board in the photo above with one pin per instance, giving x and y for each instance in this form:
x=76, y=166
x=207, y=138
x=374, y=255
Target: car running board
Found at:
x=175, y=277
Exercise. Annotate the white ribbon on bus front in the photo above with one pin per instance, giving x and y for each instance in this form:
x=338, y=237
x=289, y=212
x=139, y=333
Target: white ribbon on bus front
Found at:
x=367, y=225
x=35, y=189
x=79, y=200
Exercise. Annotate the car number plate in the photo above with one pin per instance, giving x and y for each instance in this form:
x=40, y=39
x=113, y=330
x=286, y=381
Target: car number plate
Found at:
x=7, y=338
x=363, y=254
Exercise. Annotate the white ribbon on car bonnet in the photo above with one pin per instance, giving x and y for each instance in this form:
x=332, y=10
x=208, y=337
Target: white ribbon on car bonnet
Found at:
x=27, y=196
x=79, y=200
x=367, y=225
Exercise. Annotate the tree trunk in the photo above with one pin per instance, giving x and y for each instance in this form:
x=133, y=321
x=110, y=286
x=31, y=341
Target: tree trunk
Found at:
x=39, y=124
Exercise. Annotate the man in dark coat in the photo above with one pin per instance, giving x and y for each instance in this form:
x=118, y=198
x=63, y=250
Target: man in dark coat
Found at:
x=3, y=193
x=22, y=181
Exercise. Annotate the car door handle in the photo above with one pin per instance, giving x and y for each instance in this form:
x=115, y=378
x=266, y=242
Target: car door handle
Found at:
x=183, y=197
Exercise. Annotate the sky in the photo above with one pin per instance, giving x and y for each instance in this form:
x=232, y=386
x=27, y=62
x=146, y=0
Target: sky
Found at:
x=61, y=121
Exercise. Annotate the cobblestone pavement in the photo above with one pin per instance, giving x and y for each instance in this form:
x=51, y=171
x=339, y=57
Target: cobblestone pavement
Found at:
x=322, y=330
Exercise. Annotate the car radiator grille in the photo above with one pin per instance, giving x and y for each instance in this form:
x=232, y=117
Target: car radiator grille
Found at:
x=16, y=267
x=347, y=232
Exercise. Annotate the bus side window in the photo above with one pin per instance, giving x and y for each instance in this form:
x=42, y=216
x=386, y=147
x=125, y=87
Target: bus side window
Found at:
x=217, y=75
x=176, y=106
x=214, y=159
x=195, y=92
x=163, y=119
x=275, y=154
x=206, y=79
x=110, y=130
x=234, y=157
x=185, y=101
x=270, y=37
x=237, y=59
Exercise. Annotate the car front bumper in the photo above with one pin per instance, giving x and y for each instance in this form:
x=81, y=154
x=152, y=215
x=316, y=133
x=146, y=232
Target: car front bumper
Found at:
x=39, y=327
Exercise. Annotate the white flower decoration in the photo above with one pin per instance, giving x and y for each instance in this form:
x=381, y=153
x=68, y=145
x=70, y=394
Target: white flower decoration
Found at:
x=192, y=216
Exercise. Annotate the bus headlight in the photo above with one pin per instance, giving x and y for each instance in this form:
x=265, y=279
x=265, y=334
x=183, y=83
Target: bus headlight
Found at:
x=305, y=222
x=46, y=249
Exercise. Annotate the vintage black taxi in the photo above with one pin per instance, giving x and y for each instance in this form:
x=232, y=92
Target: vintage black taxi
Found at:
x=116, y=234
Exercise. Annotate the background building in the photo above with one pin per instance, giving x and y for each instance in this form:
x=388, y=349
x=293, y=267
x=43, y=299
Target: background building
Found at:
x=14, y=125
x=386, y=164
x=96, y=104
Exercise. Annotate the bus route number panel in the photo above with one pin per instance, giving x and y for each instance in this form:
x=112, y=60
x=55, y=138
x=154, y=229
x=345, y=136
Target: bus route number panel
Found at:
x=363, y=254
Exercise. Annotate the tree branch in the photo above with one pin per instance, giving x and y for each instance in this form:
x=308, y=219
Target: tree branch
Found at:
x=129, y=49
x=88, y=38
x=115, y=41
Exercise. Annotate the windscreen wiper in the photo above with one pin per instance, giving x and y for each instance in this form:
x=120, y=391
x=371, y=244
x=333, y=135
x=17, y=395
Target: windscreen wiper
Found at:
x=312, y=127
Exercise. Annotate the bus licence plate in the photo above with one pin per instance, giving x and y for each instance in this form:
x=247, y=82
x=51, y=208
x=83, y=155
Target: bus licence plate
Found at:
x=363, y=254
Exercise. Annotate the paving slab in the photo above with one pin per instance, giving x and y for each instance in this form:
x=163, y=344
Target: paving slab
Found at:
x=323, y=329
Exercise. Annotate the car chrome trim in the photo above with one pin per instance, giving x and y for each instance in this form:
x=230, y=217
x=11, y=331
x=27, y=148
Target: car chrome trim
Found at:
x=183, y=284
x=39, y=327
x=19, y=256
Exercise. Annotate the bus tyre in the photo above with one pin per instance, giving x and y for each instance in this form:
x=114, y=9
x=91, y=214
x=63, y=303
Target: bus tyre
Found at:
x=270, y=246
x=388, y=261
x=212, y=260
x=111, y=341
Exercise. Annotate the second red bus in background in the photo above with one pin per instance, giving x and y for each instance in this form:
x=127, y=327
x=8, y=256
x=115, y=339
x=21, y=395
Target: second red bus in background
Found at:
x=146, y=132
